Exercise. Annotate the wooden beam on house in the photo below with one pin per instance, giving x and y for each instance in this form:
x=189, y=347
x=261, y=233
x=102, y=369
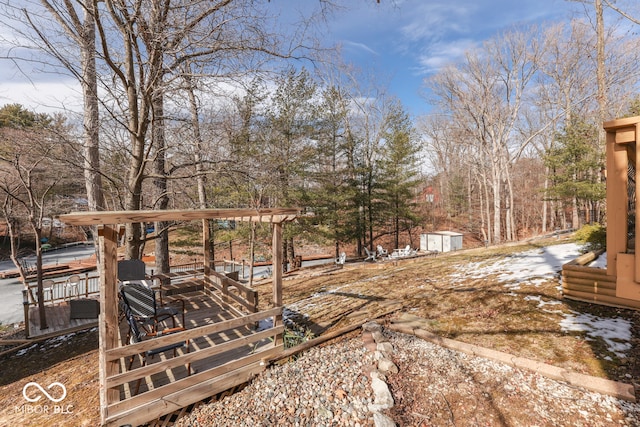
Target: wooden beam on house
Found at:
x=617, y=163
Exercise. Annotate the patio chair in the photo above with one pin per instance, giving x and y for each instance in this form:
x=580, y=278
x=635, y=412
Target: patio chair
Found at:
x=71, y=286
x=144, y=307
x=382, y=251
x=138, y=334
x=371, y=255
x=341, y=259
x=47, y=288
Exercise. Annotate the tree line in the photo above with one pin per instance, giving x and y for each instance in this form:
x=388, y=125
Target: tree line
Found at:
x=516, y=135
x=185, y=107
x=196, y=104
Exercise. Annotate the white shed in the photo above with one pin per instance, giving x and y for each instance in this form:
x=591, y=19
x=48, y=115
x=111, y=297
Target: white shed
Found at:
x=441, y=241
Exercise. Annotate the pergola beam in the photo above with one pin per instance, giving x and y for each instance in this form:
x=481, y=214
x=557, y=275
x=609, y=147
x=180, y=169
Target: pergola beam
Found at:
x=277, y=216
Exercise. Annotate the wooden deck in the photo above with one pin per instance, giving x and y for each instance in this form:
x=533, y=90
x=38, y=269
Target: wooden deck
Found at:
x=225, y=349
x=59, y=321
x=201, y=310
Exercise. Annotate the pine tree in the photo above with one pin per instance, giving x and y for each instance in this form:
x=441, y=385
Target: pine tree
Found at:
x=575, y=163
x=398, y=172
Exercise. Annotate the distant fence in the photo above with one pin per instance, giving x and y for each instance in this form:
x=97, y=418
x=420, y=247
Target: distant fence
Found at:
x=61, y=290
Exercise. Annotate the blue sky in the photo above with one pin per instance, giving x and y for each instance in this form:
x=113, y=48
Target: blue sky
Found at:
x=404, y=41
x=400, y=41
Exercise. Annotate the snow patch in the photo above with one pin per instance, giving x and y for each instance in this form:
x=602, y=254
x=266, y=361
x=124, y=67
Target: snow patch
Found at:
x=615, y=332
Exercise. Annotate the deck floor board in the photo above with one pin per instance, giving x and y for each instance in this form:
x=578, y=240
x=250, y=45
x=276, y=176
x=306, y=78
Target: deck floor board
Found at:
x=58, y=321
x=201, y=310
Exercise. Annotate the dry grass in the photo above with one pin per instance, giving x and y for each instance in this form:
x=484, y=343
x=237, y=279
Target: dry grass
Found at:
x=481, y=311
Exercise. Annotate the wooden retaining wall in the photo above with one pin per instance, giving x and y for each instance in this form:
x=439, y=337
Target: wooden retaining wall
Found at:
x=590, y=284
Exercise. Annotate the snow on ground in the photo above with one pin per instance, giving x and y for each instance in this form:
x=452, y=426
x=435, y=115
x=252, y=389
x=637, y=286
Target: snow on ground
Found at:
x=525, y=268
x=539, y=265
x=616, y=332
x=531, y=267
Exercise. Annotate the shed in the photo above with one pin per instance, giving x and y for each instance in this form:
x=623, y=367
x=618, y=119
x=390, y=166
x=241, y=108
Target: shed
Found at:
x=441, y=241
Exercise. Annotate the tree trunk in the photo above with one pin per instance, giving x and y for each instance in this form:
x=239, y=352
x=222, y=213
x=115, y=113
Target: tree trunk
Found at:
x=91, y=145
x=601, y=71
x=41, y=309
x=160, y=183
x=497, y=207
x=201, y=178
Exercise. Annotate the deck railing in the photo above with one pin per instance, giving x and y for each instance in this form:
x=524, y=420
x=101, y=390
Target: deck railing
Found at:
x=216, y=377
x=232, y=291
x=195, y=266
x=89, y=285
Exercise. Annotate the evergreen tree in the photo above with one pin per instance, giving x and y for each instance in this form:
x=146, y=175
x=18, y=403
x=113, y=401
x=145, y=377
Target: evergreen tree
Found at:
x=17, y=117
x=575, y=163
x=288, y=145
x=331, y=197
x=398, y=172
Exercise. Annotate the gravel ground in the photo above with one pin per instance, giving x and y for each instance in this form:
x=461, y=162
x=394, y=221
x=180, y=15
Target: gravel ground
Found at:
x=331, y=386
x=326, y=386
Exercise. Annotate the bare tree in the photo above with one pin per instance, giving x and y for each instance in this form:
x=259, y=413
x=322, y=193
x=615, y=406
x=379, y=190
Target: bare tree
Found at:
x=29, y=173
x=486, y=95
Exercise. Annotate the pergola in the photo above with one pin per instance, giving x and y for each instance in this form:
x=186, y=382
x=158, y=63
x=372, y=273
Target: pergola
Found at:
x=116, y=410
x=619, y=284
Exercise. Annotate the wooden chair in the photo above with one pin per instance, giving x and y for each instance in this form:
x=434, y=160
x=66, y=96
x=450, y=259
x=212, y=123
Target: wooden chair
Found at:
x=382, y=251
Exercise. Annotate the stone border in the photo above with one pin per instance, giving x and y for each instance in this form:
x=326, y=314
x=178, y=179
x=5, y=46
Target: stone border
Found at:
x=412, y=325
x=375, y=341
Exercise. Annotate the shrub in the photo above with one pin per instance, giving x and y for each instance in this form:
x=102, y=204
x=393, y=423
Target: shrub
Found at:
x=593, y=236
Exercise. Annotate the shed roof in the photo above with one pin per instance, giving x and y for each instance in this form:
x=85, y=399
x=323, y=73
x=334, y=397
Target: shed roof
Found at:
x=446, y=233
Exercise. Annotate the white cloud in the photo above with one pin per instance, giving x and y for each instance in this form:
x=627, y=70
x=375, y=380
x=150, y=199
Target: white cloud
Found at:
x=438, y=55
x=358, y=46
x=43, y=97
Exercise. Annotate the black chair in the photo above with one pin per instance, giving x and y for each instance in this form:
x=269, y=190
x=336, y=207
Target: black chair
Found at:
x=137, y=334
x=144, y=306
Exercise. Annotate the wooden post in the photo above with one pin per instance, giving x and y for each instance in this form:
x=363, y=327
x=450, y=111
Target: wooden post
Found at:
x=617, y=164
x=206, y=247
x=25, y=307
x=108, y=267
x=277, y=258
x=634, y=150
x=86, y=284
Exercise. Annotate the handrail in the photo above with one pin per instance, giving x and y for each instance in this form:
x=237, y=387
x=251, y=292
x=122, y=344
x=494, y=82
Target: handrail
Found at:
x=194, y=356
x=88, y=286
x=189, y=334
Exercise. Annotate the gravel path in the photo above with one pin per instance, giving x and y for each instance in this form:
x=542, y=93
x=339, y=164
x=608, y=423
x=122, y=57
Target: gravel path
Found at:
x=325, y=386
x=332, y=386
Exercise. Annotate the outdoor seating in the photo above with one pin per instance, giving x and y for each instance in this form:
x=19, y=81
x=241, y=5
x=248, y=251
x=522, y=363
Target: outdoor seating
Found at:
x=71, y=286
x=404, y=252
x=48, y=286
x=144, y=307
x=382, y=252
x=341, y=259
x=137, y=333
x=371, y=255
